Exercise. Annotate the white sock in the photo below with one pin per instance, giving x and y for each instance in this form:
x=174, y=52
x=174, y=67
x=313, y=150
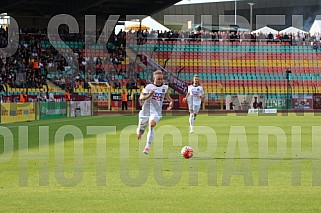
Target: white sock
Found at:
x=150, y=137
x=191, y=120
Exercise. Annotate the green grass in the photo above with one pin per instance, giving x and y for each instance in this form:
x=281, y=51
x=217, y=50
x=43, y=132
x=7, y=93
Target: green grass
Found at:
x=221, y=178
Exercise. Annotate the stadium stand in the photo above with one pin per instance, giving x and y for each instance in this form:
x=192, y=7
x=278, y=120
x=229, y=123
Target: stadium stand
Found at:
x=226, y=63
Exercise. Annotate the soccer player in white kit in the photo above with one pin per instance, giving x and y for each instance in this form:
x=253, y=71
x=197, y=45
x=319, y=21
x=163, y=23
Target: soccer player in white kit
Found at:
x=153, y=96
x=194, y=97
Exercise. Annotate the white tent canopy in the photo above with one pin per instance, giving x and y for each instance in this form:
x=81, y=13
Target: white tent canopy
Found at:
x=153, y=24
x=265, y=30
x=292, y=30
x=148, y=22
x=316, y=27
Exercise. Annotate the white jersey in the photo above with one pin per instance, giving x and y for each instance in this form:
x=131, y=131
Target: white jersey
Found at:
x=154, y=104
x=194, y=94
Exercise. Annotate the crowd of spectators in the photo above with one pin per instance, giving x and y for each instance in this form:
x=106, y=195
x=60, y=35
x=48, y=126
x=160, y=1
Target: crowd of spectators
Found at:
x=33, y=62
x=198, y=35
x=27, y=67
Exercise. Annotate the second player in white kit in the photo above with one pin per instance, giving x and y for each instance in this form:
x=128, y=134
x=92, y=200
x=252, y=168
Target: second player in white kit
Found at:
x=194, y=98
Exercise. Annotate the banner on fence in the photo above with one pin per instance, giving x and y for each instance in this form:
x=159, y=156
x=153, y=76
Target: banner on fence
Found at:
x=262, y=111
x=51, y=110
x=80, y=108
x=317, y=101
x=276, y=103
x=302, y=101
x=244, y=102
x=17, y=112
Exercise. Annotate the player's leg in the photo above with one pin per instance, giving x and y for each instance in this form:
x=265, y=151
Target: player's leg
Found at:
x=191, y=120
x=142, y=124
x=193, y=115
x=196, y=109
x=151, y=132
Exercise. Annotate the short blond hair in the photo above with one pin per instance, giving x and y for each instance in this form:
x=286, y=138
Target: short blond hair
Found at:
x=195, y=75
x=157, y=72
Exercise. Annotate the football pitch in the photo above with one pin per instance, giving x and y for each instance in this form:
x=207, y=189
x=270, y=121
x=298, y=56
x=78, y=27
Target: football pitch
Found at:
x=241, y=163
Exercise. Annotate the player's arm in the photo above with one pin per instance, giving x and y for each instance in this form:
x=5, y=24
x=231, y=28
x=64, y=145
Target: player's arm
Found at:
x=202, y=95
x=184, y=99
x=170, y=100
x=145, y=94
x=187, y=95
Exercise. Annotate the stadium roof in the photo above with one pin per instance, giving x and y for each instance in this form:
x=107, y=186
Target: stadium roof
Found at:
x=78, y=8
x=183, y=2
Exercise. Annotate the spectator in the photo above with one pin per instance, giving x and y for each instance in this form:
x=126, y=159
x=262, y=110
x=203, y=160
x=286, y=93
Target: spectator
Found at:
x=67, y=96
x=315, y=45
x=270, y=36
x=23, y=97
x=51, y=96
x=124, y=100
x=41, y=96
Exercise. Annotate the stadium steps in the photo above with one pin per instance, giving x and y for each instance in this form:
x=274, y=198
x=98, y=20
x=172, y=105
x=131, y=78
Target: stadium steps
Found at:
x=54, y=87
x=132, y=56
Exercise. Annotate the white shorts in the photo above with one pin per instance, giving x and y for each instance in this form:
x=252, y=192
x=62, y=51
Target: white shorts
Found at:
x=144, y=120
x=195, y=108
